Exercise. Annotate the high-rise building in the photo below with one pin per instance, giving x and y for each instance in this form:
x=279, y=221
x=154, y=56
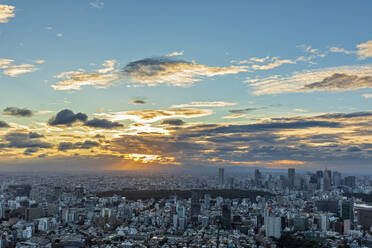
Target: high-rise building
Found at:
x=226, y=214
x=195, y=204
x=221, y=175
x=336, y=179
x=347, y=210
x=327, y=179
x=350, y=181
x=257, y=177
x=273, y=226
x=364, y=214
x=79, y=192
x=291, y=177
x=207, y=201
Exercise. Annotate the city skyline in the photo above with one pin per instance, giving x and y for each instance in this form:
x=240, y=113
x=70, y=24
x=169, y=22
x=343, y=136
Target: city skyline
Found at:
x=140, y=85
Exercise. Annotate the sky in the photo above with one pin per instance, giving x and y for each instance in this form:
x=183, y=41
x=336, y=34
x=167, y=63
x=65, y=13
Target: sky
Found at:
x=141, y=85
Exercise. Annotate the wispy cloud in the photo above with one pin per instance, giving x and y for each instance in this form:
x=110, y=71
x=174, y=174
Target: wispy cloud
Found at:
x=74, y=80
x=235, y=116
x=341, y=50
x=329, y=79
x=367, y=95
x=151, y=116
x=204, y=104
x=365, y=50
x=6, y=12
x=175, y=53
x=15, y=70
x=97, y=4
x=275, y=62
x=9, y=69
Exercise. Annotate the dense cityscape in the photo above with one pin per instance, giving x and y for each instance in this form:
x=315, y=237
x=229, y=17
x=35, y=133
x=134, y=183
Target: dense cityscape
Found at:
x=257, y=208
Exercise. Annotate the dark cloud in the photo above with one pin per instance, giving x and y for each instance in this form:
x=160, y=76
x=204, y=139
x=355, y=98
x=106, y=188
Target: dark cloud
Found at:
x=152, y=71
x=139, y=101
x=67, y=117
x=150, y=66
x=272, y=126
x=3, y=124
x=173, y=122
x=30, y=150
x=25, y=140
x=19, y=112
x=340, y=82
x=34, y=135
x=241, y=111
x=346, y=115
x=353, y=149
x=88, y=144
x=102, y=123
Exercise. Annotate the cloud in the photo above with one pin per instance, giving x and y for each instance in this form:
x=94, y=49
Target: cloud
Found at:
x=39, y=61
x=329, y=79
x=6, y=12
x=276, y=62
x=108, y=66
x=341, y=50
x=234, y=116
x=30, y=150
x=204, y=104
x=241, y=111
x=102, y=123
x=258, y=127
x=272, y=62
x=138, y=101
x=59, y=35
x=251, y=60
x=365, y=50
x=155, y=71
x=88, y=144
x=308, y=49
x=341, y=82
x=97, y=4
x=67, y=117
x=74, y=80
x=173, y=122
x=150, y=116
x=25, y=140
x=19, y=112
x=175, y=53
x=346, y=115
x=33, y=135
x=14, y=70
x=4, y=63
x=302, y=140
x=3, y=124
x=367, y=95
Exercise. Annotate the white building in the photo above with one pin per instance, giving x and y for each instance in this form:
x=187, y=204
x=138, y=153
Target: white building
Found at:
x=273, y=226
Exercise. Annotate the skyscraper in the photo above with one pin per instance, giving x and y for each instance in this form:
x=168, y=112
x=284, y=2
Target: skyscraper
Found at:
x=291, y=177
x=273, y=226
x=350, y=181
x=336, y=179
x=195, y=204
x=226, y=214
x=257, y=177
x=221, y=175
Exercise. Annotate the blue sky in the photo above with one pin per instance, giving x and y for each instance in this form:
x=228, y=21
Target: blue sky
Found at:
x=227, y=63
